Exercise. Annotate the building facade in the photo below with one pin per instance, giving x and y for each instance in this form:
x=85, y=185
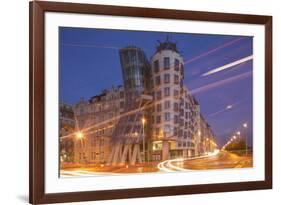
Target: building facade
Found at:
x=97, y=118
x=67, y=126
x=175, y=113
x=151, y=117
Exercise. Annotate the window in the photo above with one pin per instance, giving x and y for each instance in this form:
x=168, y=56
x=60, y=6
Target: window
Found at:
x=157, y=131
x=176, y=93
x=158, y=80
x=158, y=95
x=167, y=104
x=167, y=91
x=176, y=106
x=158, y=119
x=176, y=120
x=180, y=133
x=156, y=66
x=152, y=119
x=122, y=104
x=167, y=128
x=177, y=65
x=121, y=94
x=166, y=63
x=167, y=116
x=158, y=107
x=181, y=112
x=176, y=79
x=167, y=78
x=182, y=68
x=175, y=131
x=102, y=155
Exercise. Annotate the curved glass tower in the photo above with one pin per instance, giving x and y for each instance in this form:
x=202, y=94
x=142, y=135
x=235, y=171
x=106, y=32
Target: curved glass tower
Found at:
x=135, y=68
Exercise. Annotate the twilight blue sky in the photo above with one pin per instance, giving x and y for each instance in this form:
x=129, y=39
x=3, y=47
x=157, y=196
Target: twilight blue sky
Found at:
x=89, y=62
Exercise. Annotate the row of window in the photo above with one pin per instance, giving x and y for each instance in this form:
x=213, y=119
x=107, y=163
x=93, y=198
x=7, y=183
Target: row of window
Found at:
x=166, y=105
x=166, y=80
x=176, y=132
x=186, y=144
x=167, y=92
x=94, y=156
x=167, y=118
x=167, y=65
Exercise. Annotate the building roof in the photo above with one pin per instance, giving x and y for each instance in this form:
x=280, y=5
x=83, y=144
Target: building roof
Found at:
x=167, y=45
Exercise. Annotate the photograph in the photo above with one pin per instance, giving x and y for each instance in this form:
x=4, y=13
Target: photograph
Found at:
x=147, y=102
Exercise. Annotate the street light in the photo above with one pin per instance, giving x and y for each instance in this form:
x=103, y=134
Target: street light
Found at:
x=245, y=126
x=208, y=147
x=79, y=135
x=143, y=120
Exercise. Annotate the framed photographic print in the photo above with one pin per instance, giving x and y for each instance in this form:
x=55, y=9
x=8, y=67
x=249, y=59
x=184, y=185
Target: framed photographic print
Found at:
x=139, y=102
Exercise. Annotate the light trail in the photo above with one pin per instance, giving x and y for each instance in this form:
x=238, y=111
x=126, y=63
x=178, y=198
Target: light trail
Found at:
x=204, y=88
x=229, y=65
x=213, y=50
x=167, y=166
x=228, y=107
x=84, y=173
x=221, y=82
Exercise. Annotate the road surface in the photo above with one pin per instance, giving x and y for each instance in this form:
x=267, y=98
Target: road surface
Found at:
x=216, y=160
x=219, y=160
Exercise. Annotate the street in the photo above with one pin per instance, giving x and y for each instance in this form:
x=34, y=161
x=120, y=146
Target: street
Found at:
x=215, y=160
x=219, y=160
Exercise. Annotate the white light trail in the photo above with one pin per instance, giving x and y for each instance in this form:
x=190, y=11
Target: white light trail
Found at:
x=167, y=165
x=229, y=65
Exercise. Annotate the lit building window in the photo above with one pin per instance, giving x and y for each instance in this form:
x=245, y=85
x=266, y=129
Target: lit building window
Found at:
x=166, y=63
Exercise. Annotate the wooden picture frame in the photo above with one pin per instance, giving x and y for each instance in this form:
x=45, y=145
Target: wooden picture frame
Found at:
x=38, y=9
